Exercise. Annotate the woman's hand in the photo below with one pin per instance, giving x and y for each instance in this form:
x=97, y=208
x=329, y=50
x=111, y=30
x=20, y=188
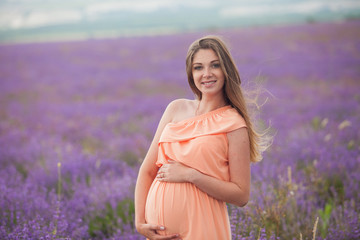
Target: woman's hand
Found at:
x=175, y=172
x=151, y=232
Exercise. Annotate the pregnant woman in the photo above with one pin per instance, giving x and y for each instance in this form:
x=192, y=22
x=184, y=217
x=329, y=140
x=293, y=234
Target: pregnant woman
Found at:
x=200, y=156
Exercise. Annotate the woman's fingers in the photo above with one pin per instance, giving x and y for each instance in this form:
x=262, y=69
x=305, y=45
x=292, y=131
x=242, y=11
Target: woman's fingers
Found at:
x=169, y=237
x=153, y=232
x=161, y=176
x=156, y=228
x=173, y=171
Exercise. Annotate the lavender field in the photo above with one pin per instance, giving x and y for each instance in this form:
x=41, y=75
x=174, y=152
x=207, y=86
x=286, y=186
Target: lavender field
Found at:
x=76, y=119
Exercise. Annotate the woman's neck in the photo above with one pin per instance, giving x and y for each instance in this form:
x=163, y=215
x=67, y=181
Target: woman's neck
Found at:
x=208, y=104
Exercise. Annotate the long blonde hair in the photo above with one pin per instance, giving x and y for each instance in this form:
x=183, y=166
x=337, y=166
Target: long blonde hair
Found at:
x=232, y=90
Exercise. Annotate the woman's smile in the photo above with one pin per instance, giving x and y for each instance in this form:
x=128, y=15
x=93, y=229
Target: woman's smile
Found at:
x=209, y=83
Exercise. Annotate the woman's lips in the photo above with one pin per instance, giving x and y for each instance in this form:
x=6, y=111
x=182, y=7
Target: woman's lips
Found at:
x=208, y=83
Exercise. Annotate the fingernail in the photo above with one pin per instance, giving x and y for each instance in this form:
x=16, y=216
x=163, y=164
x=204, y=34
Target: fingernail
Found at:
x=162, y=228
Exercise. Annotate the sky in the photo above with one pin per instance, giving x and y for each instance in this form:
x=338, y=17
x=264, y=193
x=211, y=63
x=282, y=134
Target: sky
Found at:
x=27, y=15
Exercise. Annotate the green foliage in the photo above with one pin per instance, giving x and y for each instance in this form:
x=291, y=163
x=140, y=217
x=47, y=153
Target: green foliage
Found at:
x=90, y=145
x=110, y=220
x=88, y=180
x=315, y=123
x=11, y=217
x=325, y=217
x=22, y=170
x=126, y=211
x=333, y=189
x=130, y=158
x=67, y=191
x=351, y=145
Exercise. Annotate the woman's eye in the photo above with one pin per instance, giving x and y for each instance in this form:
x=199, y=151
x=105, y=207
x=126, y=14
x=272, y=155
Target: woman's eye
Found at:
x=197, y=67
x=216, y=65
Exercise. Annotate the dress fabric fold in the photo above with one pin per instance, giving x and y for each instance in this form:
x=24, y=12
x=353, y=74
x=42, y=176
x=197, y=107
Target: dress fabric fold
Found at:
x=201, y=143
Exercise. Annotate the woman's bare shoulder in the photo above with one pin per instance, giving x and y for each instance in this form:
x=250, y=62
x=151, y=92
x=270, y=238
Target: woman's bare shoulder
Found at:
x=181, y=108
x=182, y=103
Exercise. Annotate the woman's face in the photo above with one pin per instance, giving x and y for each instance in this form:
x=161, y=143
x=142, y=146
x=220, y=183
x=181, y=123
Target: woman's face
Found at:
x=207, y=73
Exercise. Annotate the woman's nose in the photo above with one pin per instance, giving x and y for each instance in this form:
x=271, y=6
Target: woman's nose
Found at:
x=207, y=72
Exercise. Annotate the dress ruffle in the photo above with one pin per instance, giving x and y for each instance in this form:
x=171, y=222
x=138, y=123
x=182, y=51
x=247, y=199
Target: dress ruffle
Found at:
x=221, y=120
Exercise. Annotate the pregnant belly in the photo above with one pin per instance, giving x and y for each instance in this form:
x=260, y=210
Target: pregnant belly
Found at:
x=182, y=208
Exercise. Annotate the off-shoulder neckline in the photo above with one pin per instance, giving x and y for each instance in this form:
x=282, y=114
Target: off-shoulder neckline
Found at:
x=202, y=116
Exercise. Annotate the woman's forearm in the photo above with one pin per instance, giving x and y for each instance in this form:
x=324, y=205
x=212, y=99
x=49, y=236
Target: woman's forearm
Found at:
x=143, y=184
x=222, y=190
x=231, y=192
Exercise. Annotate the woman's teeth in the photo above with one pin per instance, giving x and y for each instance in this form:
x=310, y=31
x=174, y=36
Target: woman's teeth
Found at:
x=208, y=83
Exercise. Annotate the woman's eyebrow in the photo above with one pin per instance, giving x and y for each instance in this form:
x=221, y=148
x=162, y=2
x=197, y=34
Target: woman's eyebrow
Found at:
x=216, y=60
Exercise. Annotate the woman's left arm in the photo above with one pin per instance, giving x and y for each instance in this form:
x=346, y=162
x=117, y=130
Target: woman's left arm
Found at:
x=237, y=190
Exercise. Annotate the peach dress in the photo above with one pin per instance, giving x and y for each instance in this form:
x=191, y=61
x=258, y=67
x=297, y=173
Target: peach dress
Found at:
x=201, y=143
